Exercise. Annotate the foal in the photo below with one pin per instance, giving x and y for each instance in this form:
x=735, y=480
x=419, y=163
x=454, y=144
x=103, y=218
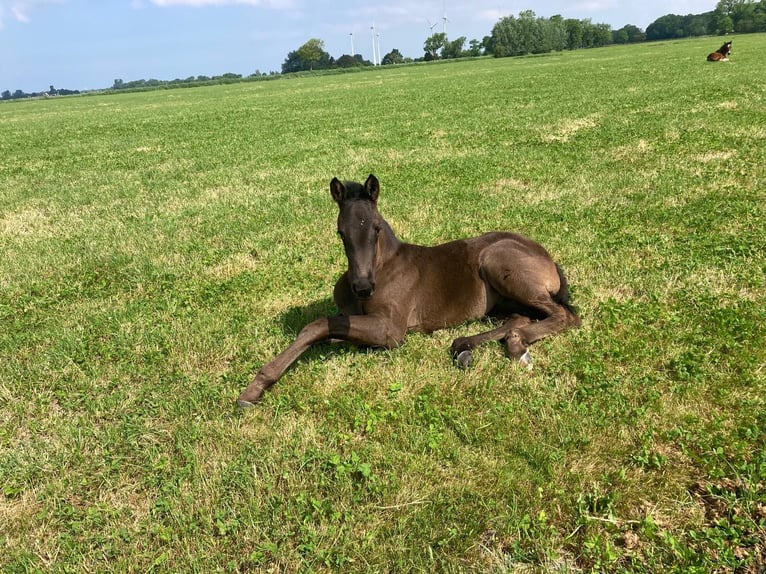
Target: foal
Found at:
x=392, y=287
x=722, y=54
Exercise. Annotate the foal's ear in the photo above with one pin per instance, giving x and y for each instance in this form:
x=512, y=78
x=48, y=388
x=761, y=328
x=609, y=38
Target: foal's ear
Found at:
x=372, y=187
x=337, y=190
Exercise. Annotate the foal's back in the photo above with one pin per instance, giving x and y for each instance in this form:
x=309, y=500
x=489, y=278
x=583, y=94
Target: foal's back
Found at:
x=448, y=284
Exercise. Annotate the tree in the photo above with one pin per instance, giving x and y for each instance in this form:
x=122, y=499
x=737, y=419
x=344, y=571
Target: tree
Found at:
x=602, y=35
x=292, y=63
x=665, y=27
x=574, y=30
x=633, y=33
x=557, y=33
x=433, y=45
x=728, y=7
x=474, y=48
x=620, y=36
x=529, y=34
x=722, y=23
x=312, y=53
x=636, y=34
x=738, y=16
x=393, y=57
x=486, y=42
x=695, y=25
x=355, y=61
x=347, y=61
x=453, y=49
x=310, y=56
x=501, y=40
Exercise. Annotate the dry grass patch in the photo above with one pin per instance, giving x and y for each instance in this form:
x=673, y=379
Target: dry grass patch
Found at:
x=720, y=155
x=29, y=222
x=564, y=131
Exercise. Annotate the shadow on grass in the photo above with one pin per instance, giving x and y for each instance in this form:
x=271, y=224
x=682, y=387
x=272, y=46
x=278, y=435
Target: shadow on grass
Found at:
x=293, y=320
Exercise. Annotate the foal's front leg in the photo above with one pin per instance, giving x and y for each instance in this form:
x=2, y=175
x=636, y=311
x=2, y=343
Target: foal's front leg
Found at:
x=358, y=329
x=462, y=347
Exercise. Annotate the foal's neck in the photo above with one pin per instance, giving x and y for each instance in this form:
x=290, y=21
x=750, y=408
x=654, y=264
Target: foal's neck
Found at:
x=388, y=241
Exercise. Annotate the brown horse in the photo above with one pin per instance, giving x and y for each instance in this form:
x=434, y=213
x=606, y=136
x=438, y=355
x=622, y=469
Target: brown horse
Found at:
x=392, y=287
x=722, y=54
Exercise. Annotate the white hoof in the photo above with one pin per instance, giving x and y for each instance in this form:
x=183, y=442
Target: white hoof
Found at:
x=465, y=359
x=526, y=360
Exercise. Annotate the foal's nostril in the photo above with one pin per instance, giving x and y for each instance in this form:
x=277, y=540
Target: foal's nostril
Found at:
x=363, y=289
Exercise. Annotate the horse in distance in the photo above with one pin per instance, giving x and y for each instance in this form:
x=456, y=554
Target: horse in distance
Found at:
x=721, y=54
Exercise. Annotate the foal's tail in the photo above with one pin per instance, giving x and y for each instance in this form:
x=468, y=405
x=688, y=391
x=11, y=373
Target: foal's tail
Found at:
x=562, y=297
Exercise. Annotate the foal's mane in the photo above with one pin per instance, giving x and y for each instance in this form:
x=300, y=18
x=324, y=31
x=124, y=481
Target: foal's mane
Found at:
x=355, y=190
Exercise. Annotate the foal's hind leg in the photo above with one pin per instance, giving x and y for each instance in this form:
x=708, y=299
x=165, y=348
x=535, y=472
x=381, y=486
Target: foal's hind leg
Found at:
x=525, y=274
x=462, y=347
x=558, y=319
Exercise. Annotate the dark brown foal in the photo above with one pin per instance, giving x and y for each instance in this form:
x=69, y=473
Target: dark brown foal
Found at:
x=392, y=287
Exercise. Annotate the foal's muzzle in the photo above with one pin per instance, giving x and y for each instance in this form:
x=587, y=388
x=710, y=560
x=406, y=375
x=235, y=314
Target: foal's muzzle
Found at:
x=363, y=288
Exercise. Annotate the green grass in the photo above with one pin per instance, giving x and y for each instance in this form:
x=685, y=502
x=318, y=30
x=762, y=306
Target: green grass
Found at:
x=158, y=248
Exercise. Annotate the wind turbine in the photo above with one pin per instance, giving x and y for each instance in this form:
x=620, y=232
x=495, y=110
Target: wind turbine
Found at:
x=374, y=49
x=431, y=26
x=352, y=44
x=445, y=20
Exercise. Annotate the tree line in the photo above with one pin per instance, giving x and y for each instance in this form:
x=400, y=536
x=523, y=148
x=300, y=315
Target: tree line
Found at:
x=191, y=81
x=312, y=56
x=529, y=34
x=20, y=94
x=510, y=36
x=729, y=16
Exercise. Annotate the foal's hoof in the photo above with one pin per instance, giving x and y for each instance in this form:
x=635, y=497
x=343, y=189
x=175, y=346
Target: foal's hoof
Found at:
x=252, y=393
x=464, y=359
x=526, y=360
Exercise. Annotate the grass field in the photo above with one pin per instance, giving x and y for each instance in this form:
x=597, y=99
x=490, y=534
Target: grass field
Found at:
x=158, y=248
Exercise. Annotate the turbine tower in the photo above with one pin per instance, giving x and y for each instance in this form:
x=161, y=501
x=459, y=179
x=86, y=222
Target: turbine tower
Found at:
x=352, y=44
x=374, y=52
x=445, y=19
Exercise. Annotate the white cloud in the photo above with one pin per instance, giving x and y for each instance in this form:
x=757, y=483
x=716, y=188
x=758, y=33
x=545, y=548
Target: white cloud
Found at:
x=20, y=9
x=20, y=13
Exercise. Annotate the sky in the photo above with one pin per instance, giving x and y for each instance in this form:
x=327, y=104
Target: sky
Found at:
x=87, y=44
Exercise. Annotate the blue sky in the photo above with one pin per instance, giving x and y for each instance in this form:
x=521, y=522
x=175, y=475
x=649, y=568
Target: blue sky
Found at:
x=87, y=44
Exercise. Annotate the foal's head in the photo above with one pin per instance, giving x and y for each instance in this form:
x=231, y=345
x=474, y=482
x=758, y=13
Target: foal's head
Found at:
x=359, y=226
x=725, y=50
